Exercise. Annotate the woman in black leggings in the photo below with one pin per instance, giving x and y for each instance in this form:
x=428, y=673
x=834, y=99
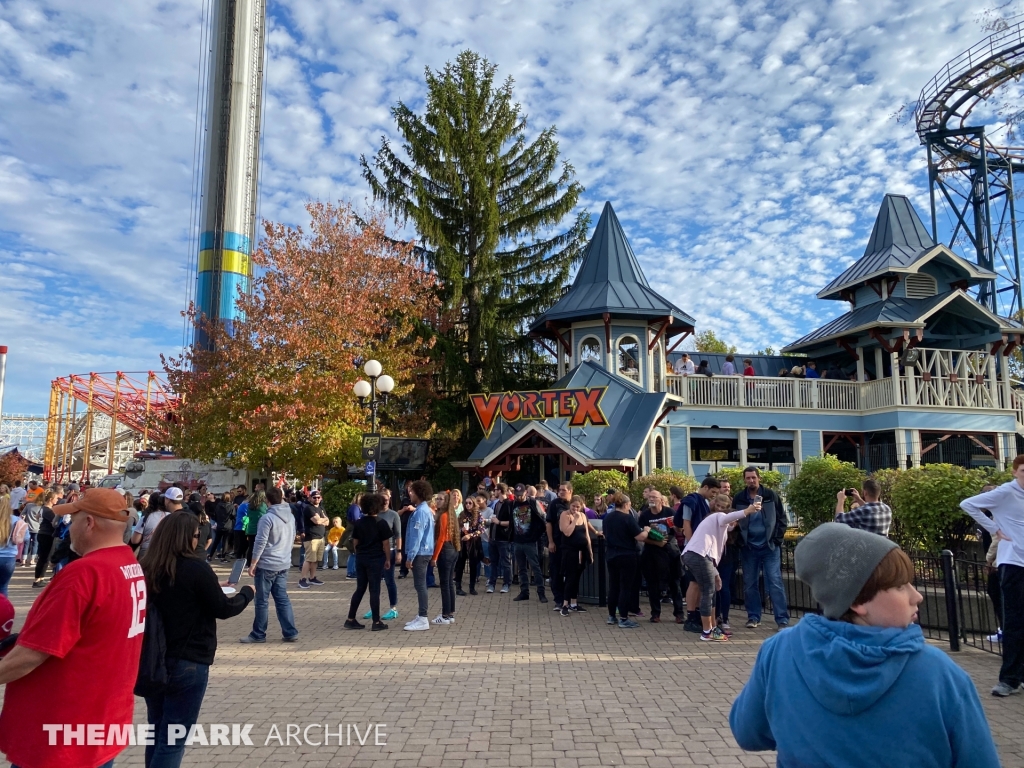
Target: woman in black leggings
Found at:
x=44, y=539
x=577, y=552
x=621, y=531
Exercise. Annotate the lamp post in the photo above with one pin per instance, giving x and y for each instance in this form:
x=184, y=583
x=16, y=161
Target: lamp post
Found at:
x=367, y=391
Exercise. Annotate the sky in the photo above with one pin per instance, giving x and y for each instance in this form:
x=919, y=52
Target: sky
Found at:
x=745, y=147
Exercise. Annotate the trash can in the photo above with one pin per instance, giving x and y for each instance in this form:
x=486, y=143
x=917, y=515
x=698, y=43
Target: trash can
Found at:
x=594, y=581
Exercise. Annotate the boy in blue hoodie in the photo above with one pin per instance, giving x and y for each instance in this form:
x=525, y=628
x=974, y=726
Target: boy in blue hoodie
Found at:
x=858, y=686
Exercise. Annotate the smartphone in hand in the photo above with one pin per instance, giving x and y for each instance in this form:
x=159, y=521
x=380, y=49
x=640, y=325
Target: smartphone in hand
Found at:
x=236, y=571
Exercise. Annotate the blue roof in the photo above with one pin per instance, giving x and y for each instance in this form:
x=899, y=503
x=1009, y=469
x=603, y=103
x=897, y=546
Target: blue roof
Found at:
x=610, y=281
x=631, y=411
x=898, y=240
x=894, y=312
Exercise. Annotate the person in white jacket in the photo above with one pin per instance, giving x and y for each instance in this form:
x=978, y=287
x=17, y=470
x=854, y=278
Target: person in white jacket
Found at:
x=1006, y=505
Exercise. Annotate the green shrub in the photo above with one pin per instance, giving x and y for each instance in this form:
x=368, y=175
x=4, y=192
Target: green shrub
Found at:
x=663, y=480
x=812, y=493
x=589, y=484
x=337, y=497
x=926, y=505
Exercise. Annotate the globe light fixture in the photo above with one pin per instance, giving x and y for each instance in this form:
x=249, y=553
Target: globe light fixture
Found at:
x=372, y=368
x=362, y=389
x=385, y=384
x=367, y=392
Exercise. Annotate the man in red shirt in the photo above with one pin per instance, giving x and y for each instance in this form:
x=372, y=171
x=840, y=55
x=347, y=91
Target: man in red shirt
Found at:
x=69, y=679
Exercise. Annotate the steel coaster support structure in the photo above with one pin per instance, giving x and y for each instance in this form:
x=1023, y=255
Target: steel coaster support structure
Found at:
x=122, y=414
x=969, y=174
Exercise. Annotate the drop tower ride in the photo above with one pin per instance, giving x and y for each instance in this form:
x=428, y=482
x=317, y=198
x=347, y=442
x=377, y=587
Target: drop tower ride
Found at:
x=227, y=218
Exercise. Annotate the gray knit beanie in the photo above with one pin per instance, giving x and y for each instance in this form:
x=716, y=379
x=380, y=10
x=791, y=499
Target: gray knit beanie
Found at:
x=836, y=561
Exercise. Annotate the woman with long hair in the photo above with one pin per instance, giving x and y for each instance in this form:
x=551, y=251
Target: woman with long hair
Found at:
x=257, y=508
x=371, y=539
x=8, y=547
x=184, y=590
x=577, y=552
x=471, y=550
x=446, y=552
x=44, y=542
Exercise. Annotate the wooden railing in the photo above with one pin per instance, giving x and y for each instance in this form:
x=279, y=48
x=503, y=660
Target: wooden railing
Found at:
x=951, y=391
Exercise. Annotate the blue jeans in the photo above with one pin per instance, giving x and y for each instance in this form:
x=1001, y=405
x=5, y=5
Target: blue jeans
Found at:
x=726, y=572
x=501, y=562
x=273, y=584
x=6, y=572
x=178, y=705
x=770, y=562
x=351, y=567
x=389, y=582
x=528, y=555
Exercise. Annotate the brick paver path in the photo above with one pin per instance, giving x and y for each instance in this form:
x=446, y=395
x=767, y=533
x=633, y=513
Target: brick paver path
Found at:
x=510, y=684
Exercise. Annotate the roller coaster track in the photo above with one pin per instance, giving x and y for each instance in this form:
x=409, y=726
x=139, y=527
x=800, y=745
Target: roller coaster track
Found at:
x=948, y=99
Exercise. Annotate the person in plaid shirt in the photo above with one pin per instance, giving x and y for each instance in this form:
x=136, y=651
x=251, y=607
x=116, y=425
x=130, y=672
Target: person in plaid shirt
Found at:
x=867, y=512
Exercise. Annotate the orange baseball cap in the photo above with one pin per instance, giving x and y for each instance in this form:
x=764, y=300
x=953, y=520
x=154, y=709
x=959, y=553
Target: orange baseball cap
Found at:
x=99, y=502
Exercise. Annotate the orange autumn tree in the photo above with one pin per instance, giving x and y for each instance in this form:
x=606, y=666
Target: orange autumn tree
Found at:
x=277, y=394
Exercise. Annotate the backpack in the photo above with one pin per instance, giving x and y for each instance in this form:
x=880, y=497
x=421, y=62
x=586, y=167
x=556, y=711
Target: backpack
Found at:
x=18, y=532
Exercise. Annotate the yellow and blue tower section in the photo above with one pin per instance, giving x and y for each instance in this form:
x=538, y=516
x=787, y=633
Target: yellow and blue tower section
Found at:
x=227, y=216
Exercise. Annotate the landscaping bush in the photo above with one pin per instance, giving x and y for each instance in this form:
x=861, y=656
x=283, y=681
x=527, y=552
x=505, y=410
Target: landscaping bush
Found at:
x=812, y=493
x=926, y=505
x=663, y=480
x=337, y=497
x=589, y=484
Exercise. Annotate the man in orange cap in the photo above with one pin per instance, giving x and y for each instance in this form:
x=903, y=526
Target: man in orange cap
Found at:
x=90, y=618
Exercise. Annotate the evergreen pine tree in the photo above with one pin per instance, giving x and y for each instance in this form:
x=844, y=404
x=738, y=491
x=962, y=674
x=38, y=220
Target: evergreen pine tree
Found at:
x=484, y=203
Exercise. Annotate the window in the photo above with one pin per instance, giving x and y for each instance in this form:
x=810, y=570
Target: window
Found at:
x=921, y=286
x=629, y=358
x=659, y=452
x=590, y=349
x=657, y=368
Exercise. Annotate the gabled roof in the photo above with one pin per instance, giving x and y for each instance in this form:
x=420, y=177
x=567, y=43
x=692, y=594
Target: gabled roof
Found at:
x=899, y=244
x=610, y=281
x=895, y=312
x=633, y=414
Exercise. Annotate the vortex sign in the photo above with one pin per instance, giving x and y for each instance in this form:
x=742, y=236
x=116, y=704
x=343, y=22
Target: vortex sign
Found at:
x=580, y=406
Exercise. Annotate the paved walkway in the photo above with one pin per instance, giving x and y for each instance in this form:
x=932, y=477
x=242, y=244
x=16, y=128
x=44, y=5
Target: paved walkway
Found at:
x=511, y=684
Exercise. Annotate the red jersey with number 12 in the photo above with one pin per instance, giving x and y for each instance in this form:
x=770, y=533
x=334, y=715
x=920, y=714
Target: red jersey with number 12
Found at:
x=90, y=621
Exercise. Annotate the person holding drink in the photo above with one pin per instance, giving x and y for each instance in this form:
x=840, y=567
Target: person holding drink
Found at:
x=761, y=550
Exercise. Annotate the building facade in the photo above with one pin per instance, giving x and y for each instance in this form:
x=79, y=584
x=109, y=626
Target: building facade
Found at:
x=915, y=372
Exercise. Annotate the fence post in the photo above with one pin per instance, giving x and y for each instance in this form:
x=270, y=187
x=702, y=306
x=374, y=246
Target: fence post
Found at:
x=949, y=583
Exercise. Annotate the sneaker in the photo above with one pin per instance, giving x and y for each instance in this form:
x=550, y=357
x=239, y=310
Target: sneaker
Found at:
x=655, y=619
x=490, y=589
x=521, y=596
x=292, y=639
x=334, y=568
x=250, y=639
x=724, y=626
x=638, y=614
x=727, y=631
x=349, y=577
x=753, y=624
x=542, y=598
x=459, y=592
x=40, y=583
x=557, y=608
x=996, y=638
x=690, y=626
x=451, y=619
x=627, y=624
x=504, y=589
x=303, y=584
x=714, y=636
x=418, y=624
x=564, y=610
x=390, y=615
x=353, y=624
x=380, y=625
x=611, y=620
x=316, y=581
x=1003, y=689
x=368, y=614
x=577, y=608
x=440, y=620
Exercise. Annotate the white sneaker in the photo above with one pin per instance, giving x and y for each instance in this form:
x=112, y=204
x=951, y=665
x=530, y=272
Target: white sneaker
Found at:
x=490, y=590
x=334, y=568
x=440, y=620
x=504, y=590
x=418, y=624
x=997, y=637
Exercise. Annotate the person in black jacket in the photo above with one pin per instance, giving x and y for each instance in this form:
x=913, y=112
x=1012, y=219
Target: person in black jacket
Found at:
x=222, y=517
x=183, y=588
x=761, y=550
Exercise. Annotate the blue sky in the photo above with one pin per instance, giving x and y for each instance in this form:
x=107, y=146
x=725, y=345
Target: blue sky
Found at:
x=745, y=146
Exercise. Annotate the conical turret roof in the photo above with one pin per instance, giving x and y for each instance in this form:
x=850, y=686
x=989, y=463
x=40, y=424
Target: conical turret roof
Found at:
x=611, y=282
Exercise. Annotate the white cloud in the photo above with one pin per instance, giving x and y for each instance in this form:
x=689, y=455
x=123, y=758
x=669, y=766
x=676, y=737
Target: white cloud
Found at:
x=744, y=146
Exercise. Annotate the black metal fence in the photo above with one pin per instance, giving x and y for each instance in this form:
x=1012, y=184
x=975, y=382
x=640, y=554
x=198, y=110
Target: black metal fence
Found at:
x=958, y=606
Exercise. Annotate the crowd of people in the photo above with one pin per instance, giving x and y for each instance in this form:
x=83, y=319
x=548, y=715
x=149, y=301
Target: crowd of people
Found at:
x=684, y=366
x=128, y=571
